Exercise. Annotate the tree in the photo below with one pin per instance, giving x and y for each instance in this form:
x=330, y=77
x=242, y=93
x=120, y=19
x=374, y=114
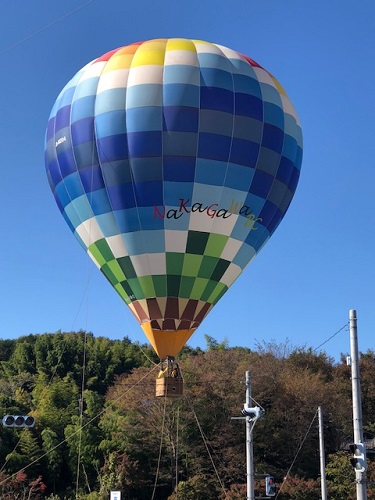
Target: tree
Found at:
x=295, y=488
x=122, y=437
x=18, y=487
x=198, y=487
x=83, y=437
x=53, y=457
x=56, y=403
x=214, y=345
x=27, y=454
x=340, y=477
x=367, y=370
x=121, y=473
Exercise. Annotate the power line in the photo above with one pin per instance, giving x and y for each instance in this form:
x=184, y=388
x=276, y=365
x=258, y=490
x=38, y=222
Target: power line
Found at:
x=296, y=455
x=188, y=399
x=160, y=447
x=111, y=403
x=53, y=23
x=331, y=337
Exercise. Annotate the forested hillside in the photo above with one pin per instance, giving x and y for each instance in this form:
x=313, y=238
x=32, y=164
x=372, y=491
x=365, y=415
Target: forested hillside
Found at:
x=99, y=426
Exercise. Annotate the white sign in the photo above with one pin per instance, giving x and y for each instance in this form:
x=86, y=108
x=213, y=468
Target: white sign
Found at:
x=115, y=495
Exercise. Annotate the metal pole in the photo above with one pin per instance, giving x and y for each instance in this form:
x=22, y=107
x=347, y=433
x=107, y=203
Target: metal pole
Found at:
x=360, y=477
x=323, y=482
x=249, y=444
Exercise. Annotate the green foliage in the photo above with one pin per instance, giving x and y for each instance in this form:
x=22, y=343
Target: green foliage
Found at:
x=6, y=348
x=214, y=345
x=53, y=453
x=340, y=476
x=122, y=473
x=27, y=452
x=116, y=435
x=43, y=374
x=198, y=487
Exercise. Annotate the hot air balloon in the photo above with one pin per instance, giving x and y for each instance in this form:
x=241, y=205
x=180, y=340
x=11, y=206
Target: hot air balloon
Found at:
x=173, y=161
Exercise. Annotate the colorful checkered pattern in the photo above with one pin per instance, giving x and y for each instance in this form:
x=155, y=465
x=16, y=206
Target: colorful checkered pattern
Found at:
x=173, y=161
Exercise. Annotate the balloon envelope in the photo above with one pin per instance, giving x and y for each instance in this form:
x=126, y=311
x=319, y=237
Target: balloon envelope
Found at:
x=173, y=161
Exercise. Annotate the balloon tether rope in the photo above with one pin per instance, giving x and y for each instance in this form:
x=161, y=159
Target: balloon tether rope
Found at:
x=160, y=447
x=206, y=445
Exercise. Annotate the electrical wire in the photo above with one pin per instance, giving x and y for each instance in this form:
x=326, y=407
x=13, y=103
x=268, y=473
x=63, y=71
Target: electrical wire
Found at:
x=81, y=401
x=53, y=23
x=130, y=388
x=160, y=447
x=177, y=444
x=207, y=448
x=136, y=342
x=81, y=428
x=258, y=404
x=93, y=154
x=205, y=441
x=9, y=456
x=296, y=455
x=331, y=337
x=45, y=389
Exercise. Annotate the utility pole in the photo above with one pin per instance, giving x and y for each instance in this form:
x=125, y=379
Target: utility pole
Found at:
x=249, y=444
x=323, y=482
x=251, y=415
x=360, y=474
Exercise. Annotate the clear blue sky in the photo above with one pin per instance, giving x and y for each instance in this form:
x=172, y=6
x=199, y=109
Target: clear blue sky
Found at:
x=318, y=265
